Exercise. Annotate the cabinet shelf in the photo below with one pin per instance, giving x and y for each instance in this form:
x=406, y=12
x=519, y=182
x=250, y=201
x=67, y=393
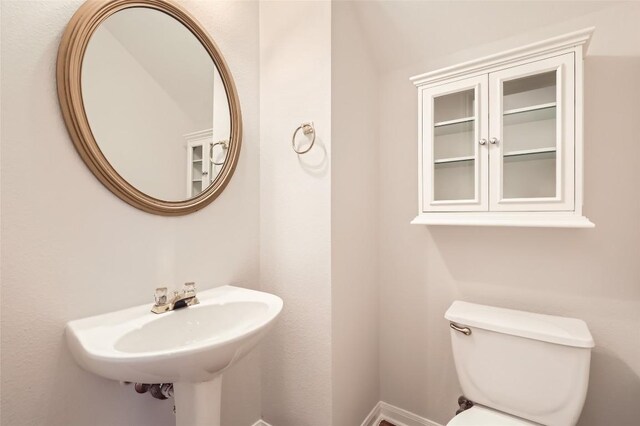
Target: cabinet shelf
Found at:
x=522, y=219
x=451, y=122
x=528, y=152
x=454, y=159
x=530, y=108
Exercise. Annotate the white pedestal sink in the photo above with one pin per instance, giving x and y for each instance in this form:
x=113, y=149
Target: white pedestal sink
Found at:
x=189, y=347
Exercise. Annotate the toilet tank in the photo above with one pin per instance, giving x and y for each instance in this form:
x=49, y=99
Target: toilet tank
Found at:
x=529, y=365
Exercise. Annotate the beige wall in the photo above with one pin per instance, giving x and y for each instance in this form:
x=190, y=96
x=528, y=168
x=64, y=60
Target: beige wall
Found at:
x=318, y=236
x=295, y=210
x=589, y=274
x=71, y=249
x=354, y=220
x=147, y=147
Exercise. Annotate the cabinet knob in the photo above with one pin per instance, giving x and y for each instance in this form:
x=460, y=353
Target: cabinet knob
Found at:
x=493, y=141
x=482, y=141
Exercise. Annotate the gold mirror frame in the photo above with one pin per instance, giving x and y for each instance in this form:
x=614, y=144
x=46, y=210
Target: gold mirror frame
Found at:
x=69, y=71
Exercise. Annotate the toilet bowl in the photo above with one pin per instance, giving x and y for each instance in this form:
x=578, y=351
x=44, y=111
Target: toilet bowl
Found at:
x=483, y=416
x=519, y=368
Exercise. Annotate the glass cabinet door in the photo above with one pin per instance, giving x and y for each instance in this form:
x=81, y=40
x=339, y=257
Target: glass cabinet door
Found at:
x=454, y=146
x=218, y=155
x=531, y=136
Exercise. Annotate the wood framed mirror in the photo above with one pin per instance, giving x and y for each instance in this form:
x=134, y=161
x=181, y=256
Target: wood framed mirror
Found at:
x=150, y=103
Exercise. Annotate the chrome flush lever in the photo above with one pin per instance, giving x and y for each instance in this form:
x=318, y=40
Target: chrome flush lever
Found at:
x=464, y=330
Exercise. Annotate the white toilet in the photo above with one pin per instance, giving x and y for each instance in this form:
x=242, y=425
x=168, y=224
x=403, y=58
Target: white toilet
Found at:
x=519, y=368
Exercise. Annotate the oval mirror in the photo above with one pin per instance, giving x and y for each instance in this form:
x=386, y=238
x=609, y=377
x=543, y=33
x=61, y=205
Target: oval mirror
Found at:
x=149, y=103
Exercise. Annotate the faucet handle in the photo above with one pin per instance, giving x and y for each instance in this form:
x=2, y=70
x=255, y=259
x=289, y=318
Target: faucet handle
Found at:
x=189, y=287
x=161, y=296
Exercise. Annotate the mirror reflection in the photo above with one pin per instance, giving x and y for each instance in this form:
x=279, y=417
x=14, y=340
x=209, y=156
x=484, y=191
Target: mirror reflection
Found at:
x=156, y=103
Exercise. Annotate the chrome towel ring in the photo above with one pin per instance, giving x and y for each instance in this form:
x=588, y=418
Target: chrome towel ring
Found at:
x=225, y=146
x=307, y=129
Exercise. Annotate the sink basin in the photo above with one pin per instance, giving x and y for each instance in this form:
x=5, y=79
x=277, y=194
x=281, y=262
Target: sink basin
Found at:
x=189, y=347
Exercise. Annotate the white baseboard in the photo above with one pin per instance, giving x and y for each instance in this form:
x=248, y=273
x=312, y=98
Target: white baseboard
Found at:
x=373, y=418
x=397, y=416
x=383, y=411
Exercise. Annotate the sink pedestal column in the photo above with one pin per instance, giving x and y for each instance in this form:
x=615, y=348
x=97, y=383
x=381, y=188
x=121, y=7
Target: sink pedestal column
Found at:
x=198, y=404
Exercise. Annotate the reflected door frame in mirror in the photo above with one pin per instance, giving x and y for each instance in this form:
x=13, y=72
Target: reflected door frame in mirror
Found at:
x=69, y=69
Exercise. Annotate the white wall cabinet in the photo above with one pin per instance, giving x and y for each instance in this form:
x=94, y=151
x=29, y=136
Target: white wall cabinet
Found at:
x=500, y=138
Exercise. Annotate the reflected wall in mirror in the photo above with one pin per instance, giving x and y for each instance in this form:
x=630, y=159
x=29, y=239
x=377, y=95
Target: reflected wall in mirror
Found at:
x=150, y=103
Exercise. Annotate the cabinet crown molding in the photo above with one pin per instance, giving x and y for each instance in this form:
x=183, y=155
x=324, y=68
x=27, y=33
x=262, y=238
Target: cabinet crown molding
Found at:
x=198, y=135
x=502, y=59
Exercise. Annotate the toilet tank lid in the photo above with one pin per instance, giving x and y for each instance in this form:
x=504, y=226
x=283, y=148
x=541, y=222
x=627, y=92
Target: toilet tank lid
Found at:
x=547, y=328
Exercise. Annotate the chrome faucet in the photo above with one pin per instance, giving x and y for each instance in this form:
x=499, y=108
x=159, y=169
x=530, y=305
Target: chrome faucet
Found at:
x=180, y=299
